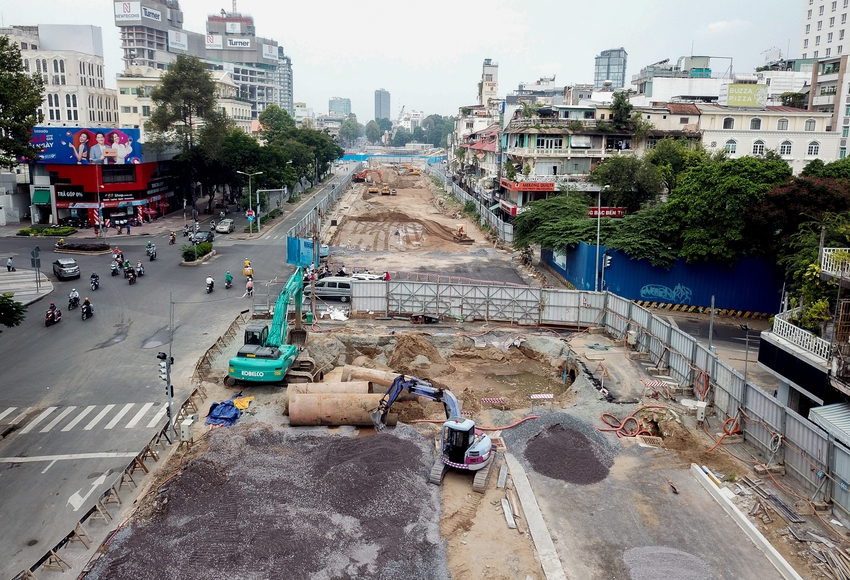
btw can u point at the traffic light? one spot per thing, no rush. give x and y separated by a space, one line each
606 262
163 371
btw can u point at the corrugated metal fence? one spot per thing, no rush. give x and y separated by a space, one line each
305 226
811 457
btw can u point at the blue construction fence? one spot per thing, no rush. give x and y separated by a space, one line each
752 285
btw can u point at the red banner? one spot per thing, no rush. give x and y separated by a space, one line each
613 212
528 185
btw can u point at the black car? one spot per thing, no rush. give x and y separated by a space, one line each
202 237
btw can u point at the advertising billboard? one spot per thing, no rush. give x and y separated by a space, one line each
214 42
233 27
85 146
152 14
128 11
741 95
178 40
270 51
238 43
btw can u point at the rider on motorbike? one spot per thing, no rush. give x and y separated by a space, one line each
152 249
172 238
74 295
148 245
140 269
210 281
87 307
52 308
249 287
212 225
95 278
228 278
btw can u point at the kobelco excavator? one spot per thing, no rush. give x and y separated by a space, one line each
461 447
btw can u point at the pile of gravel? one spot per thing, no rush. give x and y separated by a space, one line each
295 503
652 562
562 446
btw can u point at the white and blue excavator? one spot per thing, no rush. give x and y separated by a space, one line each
461 447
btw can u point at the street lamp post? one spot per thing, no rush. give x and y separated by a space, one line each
99 206
746 329
598 228
250 175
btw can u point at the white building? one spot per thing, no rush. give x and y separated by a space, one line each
488 92
70 60
411 119
797 135
825 26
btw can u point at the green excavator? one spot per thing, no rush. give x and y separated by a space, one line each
272 354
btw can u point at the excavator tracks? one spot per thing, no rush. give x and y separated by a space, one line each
479 483
438 470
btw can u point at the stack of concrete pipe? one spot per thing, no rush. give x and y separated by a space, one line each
343 403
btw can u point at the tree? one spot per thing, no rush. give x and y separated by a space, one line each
350 130
673 157
384 124
402 137
12 313
373 132
643 235
558 223
276 124
437 128
621 109
186 93
20 98
796 100
631 181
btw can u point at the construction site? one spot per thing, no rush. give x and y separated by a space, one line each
473 450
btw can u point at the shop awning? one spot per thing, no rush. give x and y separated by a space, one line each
41 196
493 208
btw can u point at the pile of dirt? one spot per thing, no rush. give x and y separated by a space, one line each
264 503
694 450
566 454
414 355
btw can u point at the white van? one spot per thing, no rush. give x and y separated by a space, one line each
331 287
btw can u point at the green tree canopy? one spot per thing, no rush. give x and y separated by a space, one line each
630 181
384 124
797 100
277 126
373 132
186 93
673 157
12 313
20 97
350 131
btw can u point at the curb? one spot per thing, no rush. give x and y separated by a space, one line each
199 261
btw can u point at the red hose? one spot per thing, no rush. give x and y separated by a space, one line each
726 431
620 427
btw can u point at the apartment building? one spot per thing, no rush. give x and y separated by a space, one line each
825 26
70 60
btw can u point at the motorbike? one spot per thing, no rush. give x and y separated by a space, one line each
116 269
228 284
149 250
342 272
95 284
73 302
131 276
135 222
59 245
171 239
153 254
87 311
210 286
128 269
140 270
52 316
248 271
186 230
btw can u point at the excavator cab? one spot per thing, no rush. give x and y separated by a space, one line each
256 334
458 435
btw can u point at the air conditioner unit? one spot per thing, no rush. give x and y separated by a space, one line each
632 337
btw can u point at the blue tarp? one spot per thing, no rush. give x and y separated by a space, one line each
224 413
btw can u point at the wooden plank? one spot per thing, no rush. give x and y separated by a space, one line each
503 476
509 516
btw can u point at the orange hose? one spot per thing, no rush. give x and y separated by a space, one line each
619 427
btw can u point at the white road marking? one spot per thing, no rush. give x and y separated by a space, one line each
100 416
73 457
158 417
6 412
55 421
37 420
118 417
138 416
49 465
78 418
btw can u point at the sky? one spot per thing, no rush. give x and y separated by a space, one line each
429 55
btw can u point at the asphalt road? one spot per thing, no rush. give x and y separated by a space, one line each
91 389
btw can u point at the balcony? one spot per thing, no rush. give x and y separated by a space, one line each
835 262
803 339
824 100
564 152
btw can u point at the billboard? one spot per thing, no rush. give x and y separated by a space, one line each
87 146
178 40
238 43
741 95
128 11
214 42
233 27
270 51
151 14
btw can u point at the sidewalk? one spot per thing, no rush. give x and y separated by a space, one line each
22 284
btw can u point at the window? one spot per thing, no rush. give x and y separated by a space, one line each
815 55
62 66
785 148
26 65
832 22
53 107
124 91
125 109
146 111
820 24
845 132
805 43
820 11
651 142
549 142
119 173
839 49
810 125
828 51
758 147
813 149
842 153
844 19
731 146
804 55
684 120
755 124
728 123
808 28
55 65
782 125
809 15
829 37
817 40
834 6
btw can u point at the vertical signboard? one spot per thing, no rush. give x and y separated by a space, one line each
214 42
128 12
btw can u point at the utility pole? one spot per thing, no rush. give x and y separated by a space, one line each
165 363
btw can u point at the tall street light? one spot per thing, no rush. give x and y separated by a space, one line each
250 175
746 329
598 228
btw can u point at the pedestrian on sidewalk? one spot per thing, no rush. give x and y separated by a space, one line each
128 228
9 264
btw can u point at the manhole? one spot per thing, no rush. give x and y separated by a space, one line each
651 441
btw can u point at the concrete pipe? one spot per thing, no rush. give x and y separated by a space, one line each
353 373
351 388
335 409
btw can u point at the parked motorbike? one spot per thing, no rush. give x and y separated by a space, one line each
135 223
73 303
140 270
52 317
88 311
116 269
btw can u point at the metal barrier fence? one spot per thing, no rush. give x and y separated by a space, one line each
321 206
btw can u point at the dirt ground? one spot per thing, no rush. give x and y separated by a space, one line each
454 532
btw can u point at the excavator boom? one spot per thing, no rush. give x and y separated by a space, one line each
418 387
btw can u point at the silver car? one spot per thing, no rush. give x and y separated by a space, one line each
65 268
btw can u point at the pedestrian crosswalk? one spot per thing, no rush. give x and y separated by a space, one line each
62 419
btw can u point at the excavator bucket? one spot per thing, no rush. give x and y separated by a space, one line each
377 417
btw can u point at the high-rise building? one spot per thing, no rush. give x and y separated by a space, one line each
382 104
489 90
69 58
339 106
284 81
824 25
610 66
152 36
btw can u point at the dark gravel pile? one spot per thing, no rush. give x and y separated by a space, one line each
562 446
567 455
290 504
652 562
